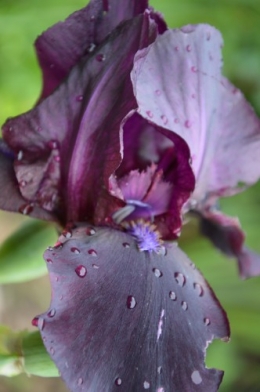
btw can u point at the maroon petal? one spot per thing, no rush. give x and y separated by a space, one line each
226 234
65 43
121 318
70 143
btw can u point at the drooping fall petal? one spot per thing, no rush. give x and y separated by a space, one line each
226 234
121 318
69 145
64 44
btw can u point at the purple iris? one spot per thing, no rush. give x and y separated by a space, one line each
135 127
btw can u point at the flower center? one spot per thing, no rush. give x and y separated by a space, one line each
147 236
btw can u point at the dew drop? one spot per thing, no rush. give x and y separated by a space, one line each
149 113
75 250
53 144
100 57
206 321
194 69
67 234
161 389
26 209
158 92
176 48
22 183
198 289
172 296
91 47
184 305
41 323
35 321
57 158
146 385
188 48
118 381
159 370
180 279
196 377
79 98
92 252
80 381
126 245
131 302
51 313
90 231
52 351
95 266
81 271
92 18
20 155
49 261
157 273
164 119
187 124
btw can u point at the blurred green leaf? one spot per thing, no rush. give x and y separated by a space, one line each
21 254
36 359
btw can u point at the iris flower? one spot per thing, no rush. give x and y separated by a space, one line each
134 128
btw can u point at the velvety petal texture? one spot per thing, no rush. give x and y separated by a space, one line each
121 319
69 145
226 234
178 82
64 44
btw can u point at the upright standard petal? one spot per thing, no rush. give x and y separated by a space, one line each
69 145
178 78
121 318
64 44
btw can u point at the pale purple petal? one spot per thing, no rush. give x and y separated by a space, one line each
121 319
178 85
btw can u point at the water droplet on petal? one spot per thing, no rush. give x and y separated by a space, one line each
194 69
180 279
75 250
95 266
157 273
187 124
57 158
161 389
146 385
26 209
53 144
184 305
20 155
206 321
196 377
91 47
41 323
164 119
90 231
118 381
176 48
158 92
92 18
131 302
49 261
188 48
126 245
159 370
92 252
81 271
52 351
149 113
198 289
35 321
172 296
80 381
100 57
22 183
51 313
79 98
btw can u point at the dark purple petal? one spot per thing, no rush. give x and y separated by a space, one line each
121 318
10 196
226 234
69 145
178 85
65 43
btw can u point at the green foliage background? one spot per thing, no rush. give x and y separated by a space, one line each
20 83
